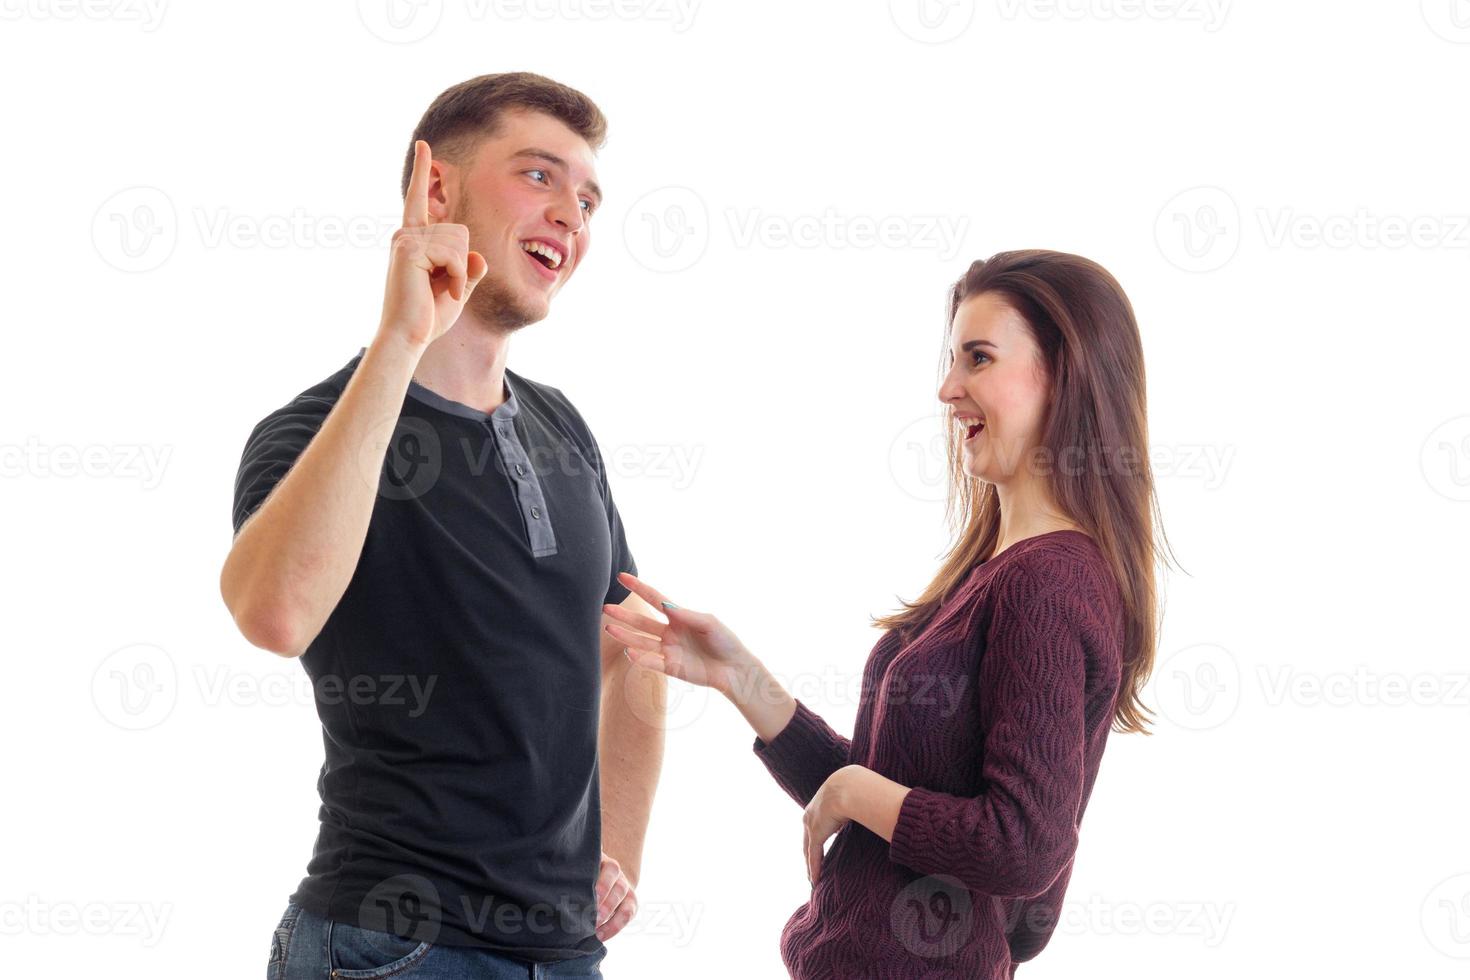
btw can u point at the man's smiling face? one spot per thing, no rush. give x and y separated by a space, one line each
526 196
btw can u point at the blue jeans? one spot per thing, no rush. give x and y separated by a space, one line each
307 946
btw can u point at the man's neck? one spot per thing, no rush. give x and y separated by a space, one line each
466 365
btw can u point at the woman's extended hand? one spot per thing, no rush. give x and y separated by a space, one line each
692 646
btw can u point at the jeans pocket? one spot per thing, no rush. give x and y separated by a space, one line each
358 954
281 942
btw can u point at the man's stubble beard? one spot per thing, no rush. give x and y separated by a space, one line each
493 301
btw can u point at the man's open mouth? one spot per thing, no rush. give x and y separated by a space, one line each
548 255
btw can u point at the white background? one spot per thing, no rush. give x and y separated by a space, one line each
1279 187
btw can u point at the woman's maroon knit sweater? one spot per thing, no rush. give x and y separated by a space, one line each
996 714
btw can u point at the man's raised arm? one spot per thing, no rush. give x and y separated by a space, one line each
292 559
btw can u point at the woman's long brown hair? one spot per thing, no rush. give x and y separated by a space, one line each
1095 437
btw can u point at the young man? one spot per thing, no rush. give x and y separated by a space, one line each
433 535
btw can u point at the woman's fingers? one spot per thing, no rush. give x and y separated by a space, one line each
637 621
806 850
645 591
634 639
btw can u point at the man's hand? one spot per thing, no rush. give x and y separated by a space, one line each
432 271
616 902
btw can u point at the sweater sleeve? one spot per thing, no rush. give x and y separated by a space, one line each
803 754
1016 837
1033 920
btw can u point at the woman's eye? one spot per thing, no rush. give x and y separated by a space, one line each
976 355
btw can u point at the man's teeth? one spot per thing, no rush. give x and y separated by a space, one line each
539 248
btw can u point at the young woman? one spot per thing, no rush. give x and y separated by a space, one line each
987 702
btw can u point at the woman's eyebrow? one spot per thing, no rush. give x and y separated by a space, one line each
556 161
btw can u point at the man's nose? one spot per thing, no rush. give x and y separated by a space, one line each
568 216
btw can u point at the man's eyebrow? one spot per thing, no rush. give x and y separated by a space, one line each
557 161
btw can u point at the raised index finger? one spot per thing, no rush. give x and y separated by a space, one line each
416 201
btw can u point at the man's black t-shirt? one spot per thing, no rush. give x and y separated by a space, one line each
458 678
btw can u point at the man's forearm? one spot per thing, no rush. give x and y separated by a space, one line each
294 557
630 749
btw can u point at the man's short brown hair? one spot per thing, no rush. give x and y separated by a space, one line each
465 114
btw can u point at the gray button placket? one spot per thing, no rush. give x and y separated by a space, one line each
515 462
523 476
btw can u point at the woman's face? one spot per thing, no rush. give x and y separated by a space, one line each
995 375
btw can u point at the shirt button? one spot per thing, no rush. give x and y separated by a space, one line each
520 470
536 512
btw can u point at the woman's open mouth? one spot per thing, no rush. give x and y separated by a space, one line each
973 430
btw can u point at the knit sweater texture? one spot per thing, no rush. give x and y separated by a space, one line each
996 714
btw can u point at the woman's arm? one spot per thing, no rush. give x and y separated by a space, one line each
761 699
873 800
1016 837
799 749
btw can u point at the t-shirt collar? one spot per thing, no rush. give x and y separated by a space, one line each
507 409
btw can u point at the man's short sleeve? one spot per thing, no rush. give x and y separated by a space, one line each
622 557
272 449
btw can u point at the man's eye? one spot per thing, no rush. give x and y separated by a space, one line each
588 206
541 172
